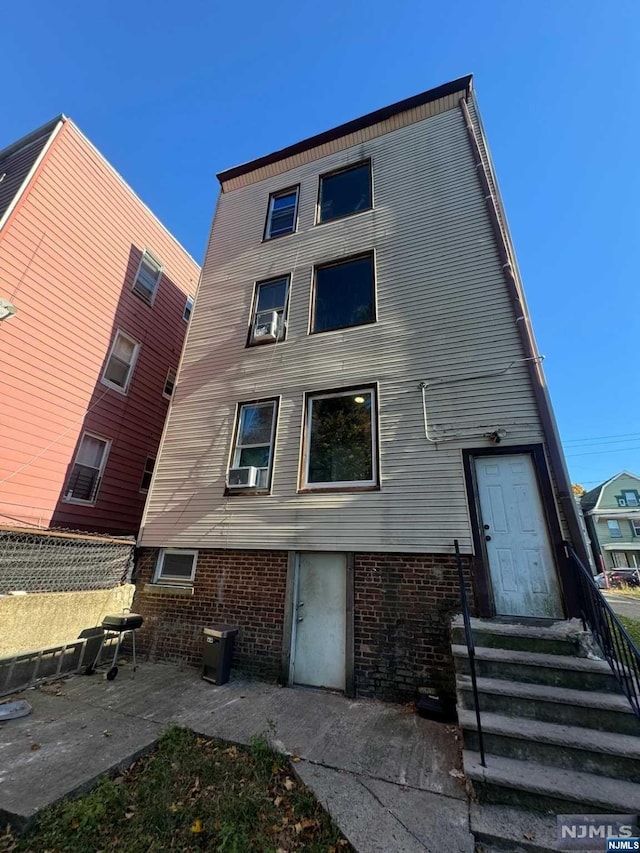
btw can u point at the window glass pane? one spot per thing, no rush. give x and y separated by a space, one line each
255 426
345 193
272 296
344 295
83 482
614 528
282 214
177 565
257 457
340 441
124 348
170 383
117 371
90 451
188 307
632 500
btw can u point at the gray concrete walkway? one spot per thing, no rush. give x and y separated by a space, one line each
390 779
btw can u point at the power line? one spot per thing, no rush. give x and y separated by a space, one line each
600 452
623 435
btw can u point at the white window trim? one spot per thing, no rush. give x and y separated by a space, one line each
184 311
144 471
175 376
103 465
136 349
345 484
174 581
282 334
272 198
135 278
629 503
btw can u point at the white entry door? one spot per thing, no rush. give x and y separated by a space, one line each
521 564
320 620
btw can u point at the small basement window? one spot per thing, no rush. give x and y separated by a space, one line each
345 192
282 213
344 294
147 278
268 323
147 474
169 384
119 368
176 566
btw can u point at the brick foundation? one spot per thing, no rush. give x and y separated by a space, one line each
403 605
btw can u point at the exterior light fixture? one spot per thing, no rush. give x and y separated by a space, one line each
358 399
7 310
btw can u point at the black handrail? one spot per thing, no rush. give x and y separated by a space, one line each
618 647
471 649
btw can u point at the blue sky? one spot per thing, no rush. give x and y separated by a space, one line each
171 93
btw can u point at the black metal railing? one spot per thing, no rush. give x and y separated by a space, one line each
468 634
614 640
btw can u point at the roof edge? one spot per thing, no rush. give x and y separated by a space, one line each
45 128
461 84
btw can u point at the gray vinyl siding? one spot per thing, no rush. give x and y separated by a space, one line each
443 312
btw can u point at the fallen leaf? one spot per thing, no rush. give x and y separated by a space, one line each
128 814
35 746
298 828
75 823
277 801
107 733
457 774
289 784
196 827
173 808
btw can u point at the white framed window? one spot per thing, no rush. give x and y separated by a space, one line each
282 213
88 467
253 444
176 566
169 384
269 315
120 363
635 526
614 529
631 498
188 308
147 473
340 442
145 284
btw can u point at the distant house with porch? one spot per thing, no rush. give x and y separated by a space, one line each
612 516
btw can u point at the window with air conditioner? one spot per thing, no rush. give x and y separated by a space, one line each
176 566
145 284
252 456
120 363
269 316
282 213
88 467
345 192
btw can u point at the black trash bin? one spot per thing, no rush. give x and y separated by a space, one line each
217 652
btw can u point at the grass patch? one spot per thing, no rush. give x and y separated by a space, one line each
626 591
191 794
633 628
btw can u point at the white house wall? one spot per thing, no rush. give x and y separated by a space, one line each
443 312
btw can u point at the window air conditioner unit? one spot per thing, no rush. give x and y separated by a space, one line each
242 478
265 327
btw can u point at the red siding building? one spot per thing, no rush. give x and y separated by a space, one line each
102 294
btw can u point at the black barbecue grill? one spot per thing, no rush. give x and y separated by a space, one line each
117 626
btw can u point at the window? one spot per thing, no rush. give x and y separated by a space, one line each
614 529
635 527
341 440
176 566
169 383
87 470
122 357
147 277
631 498
282 214
345 192
269 311
188 308
344 295
148 472
253 447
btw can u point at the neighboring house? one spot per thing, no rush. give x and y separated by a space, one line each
612 515
102 293
360 388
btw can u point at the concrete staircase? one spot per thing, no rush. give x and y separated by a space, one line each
559 735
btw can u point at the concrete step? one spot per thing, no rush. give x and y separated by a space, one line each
544 788
591 709
556 670
570 747
505 829
557 638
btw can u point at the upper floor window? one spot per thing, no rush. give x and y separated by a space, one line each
147 473
119 367
188 308
631 498
268 323
614 529
282 213
635 527
341 440
169 383
344 294
345 192
252 458
88 467
147 278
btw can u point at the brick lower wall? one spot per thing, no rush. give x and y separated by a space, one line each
402 610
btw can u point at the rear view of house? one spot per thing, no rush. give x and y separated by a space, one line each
360 389
97 295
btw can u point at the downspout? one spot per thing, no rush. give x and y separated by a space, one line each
523 323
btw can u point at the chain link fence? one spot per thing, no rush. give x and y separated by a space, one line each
39 560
